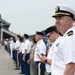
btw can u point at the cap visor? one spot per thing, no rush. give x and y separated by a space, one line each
58 15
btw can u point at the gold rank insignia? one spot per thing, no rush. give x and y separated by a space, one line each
70 33
57 9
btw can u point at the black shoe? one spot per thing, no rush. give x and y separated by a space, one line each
21 73
17 68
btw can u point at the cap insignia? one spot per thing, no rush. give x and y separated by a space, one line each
57 9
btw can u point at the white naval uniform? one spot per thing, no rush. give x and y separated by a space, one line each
26 66
11 47
40 49
17 44
64 53
50 54
27 45
22 47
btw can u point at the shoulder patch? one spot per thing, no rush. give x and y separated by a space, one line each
39 42
70 33
57 44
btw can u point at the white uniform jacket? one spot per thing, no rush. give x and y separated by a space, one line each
40 49
64 53
50 54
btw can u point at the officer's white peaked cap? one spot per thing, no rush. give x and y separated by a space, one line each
62 10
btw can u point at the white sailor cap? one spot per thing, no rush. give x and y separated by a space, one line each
62 10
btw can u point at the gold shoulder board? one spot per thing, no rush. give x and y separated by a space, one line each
70 33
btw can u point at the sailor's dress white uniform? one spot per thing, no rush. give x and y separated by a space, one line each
64 53
50 54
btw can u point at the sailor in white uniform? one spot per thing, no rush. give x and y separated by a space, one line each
40 50
63 61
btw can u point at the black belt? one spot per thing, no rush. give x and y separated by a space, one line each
38 62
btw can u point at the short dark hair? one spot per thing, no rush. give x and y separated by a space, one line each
18 36
39 33
26 36
21 39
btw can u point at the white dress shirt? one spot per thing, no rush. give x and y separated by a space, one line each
50 54
40 49
27 45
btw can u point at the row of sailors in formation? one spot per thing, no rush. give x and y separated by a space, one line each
26 52
61 55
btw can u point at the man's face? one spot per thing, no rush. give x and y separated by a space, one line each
24 38
16 38
38 37
51 37
62 23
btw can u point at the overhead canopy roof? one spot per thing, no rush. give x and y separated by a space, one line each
4 23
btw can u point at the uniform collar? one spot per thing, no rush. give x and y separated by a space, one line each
26 40
39 41
71 29
18 40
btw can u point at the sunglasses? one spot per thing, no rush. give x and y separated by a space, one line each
49 34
